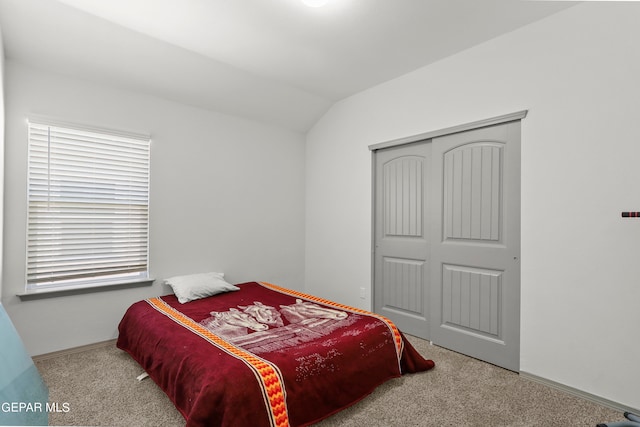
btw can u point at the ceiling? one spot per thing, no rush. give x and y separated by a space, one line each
273 61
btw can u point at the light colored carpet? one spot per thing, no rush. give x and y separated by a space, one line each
101 389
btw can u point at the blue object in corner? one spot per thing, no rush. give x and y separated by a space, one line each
23 393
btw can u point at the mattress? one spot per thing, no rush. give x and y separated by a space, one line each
264 355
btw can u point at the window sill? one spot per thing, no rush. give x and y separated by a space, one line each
83 289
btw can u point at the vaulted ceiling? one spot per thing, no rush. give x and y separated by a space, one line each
274 61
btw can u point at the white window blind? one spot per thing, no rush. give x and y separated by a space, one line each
88 213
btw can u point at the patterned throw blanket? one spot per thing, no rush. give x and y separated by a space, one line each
264 355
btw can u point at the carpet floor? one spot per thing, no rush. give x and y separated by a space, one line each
100 388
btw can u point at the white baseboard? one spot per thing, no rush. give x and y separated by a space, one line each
579 393
74 350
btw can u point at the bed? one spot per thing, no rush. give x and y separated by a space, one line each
263 355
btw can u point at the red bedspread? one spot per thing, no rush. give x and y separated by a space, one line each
264 355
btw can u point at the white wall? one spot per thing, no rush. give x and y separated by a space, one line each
227 194
577 74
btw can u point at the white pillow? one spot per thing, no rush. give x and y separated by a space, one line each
195 286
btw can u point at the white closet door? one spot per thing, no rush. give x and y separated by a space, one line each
402 241
475 280
447 241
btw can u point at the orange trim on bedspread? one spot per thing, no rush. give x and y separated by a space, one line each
268 375
394 330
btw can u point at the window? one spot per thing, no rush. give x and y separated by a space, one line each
88 207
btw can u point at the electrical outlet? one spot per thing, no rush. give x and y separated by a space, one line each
363 293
